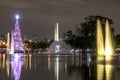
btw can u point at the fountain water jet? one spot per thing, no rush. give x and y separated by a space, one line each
104 49
100 41
56 32
108 40
58 46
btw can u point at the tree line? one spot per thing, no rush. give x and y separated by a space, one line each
85 34
83 37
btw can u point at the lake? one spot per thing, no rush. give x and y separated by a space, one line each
57 67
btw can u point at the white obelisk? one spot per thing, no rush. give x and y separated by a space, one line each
56 32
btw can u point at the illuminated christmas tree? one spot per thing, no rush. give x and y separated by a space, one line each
18 43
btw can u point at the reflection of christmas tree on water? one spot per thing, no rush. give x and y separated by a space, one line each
18 44
16 66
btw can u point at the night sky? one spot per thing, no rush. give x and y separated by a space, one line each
38 17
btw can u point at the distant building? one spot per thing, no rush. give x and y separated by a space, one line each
25 38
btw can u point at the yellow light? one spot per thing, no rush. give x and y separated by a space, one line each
4 43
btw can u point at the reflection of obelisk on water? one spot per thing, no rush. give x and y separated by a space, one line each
57 68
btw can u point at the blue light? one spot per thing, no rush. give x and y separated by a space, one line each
17 16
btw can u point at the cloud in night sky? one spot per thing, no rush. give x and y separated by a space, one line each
40 16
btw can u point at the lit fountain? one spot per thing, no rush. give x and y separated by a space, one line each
100 41
56 32
108 40
58 46
104 49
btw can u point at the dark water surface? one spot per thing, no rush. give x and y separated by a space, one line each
57 67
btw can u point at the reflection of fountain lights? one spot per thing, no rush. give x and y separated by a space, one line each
104 71
0 63
0 55
57 69
106 58
30 60
109 70
88 59
49 63
36 61
100 58
3 61
24 60
65 67
8 68
100 71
